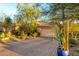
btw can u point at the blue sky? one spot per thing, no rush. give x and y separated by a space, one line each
8 8
11 8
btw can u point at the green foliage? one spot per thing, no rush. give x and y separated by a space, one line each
33 27
27 16
59 38
73 41
28 11
8 21
1 34
64 11
77 34
77 49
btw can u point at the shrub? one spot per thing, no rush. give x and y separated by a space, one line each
1 34
73 41
16 33
78 34
77 49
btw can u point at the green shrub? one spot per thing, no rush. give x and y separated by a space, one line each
78 34
77 49
1 34
16 33
73 41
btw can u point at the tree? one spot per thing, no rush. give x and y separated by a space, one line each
7 23
27 15
28 11
64 11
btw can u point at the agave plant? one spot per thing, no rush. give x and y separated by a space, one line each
59 38
59 35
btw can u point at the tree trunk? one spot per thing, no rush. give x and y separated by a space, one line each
63 14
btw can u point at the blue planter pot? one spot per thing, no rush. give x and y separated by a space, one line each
61 52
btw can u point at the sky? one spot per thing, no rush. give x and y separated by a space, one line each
8 8
45 8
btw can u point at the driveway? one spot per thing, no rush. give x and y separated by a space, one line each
44 45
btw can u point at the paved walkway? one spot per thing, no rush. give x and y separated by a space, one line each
41 46
37 47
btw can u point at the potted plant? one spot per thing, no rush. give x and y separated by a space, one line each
59 38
